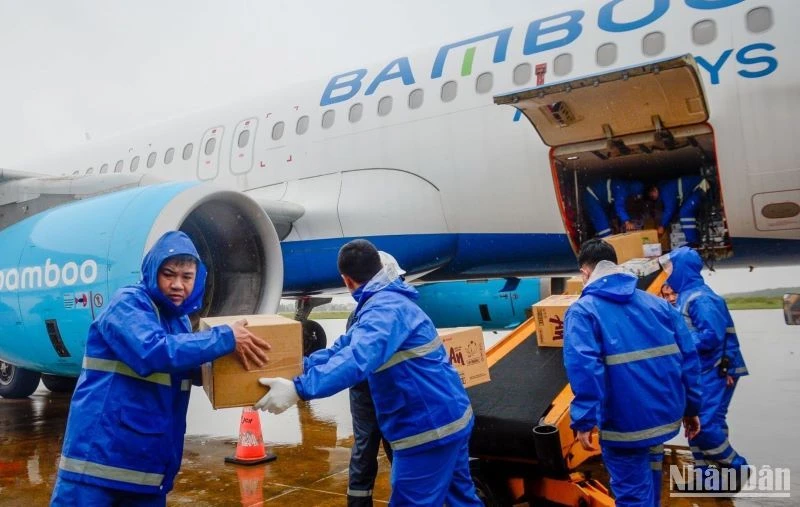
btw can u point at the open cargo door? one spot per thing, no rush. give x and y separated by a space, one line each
647 123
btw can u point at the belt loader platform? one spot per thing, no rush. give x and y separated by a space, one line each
522 447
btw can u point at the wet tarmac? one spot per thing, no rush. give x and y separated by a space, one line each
313 441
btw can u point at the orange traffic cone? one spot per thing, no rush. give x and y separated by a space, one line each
250 449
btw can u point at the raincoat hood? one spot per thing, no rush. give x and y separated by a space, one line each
686 267
383 280
169 245
609 281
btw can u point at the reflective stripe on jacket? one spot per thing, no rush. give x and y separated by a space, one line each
419 399
630 362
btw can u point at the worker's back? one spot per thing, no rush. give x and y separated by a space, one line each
637 348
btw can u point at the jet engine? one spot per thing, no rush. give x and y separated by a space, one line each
60 267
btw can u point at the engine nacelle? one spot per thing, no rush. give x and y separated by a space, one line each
59 268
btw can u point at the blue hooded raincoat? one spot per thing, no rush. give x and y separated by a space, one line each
420 401
127 418
630 362
714 335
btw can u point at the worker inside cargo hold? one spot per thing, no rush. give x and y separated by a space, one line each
420 402
605 196
681 196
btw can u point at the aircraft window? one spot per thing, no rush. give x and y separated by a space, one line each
449 91
277 131
385 106
118 166
187 151
356 110
522 74
103 168
562 65
653 44
759 19
484 82
90 170
328 117
134 163
302 125
606 54
151 159
704 32
415 98
210 145
244 138
168 155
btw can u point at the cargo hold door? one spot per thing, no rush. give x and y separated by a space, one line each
647 123
665 94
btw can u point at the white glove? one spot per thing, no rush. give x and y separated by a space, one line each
281 395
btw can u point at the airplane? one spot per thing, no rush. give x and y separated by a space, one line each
465 161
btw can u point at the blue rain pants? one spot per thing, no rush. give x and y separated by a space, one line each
434 476
712 444
656 467
367 439
67 493
688 216
631 475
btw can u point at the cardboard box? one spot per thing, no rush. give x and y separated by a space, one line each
549 315
574 285
641 267
464 346
629 245
651 249
225 380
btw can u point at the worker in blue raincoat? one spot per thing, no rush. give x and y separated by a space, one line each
721 361
420 402
367 436
607 194
682 195
634 371
124 438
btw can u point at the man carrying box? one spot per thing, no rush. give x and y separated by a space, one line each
634 370
420 402
127 418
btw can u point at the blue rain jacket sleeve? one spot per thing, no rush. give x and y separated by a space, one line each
585 369
691 366
323 355
668 193
620 194
709 323
365 347
132 330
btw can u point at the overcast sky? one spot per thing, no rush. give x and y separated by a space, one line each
107 66
100 66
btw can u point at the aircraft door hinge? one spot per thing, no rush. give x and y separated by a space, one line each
662 134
